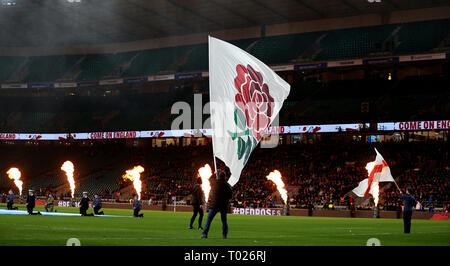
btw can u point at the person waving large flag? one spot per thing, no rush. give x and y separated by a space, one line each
245 97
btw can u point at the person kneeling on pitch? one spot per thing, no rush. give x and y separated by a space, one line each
197 200
408 202
137 207
97 202
31 203
49 204
220 197
84 205
10 201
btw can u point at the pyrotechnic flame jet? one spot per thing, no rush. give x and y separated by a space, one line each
135 176
374 188
14 174
275 177
205 173
69 169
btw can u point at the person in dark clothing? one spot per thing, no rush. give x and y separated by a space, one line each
49 205
137 207
408 202
97 202
84 205
10 201
31 203
197 201
220 197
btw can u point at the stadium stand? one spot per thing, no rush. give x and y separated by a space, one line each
317 173
310 101
421 36
8 65
49 68
392 39
353 43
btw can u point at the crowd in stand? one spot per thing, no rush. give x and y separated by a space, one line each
319 174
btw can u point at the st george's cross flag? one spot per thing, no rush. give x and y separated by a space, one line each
245 97
379 172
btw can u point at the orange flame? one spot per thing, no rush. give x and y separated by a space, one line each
205 173
135 176
69 169
275 177
14 174
375 191
374 188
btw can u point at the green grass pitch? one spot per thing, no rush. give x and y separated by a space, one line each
170 229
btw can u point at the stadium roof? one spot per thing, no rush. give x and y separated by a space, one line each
26 23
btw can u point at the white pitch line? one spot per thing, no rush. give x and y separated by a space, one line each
14 212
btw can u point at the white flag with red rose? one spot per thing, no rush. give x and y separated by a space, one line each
378 171
245 97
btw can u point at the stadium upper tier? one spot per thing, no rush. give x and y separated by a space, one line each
390 39
310 102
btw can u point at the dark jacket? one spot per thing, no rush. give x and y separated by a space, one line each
97 202
11 198
31 200
84 203
220 194
408 201
136 204
197 195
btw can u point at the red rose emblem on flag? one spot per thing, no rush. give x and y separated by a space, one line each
253 99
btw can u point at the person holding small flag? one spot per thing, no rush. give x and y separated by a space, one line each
408 202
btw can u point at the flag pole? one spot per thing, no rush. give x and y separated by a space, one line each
397 186
215 164
212 134
214 156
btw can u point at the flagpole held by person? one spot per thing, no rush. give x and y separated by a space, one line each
397 186
246 96
408 202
